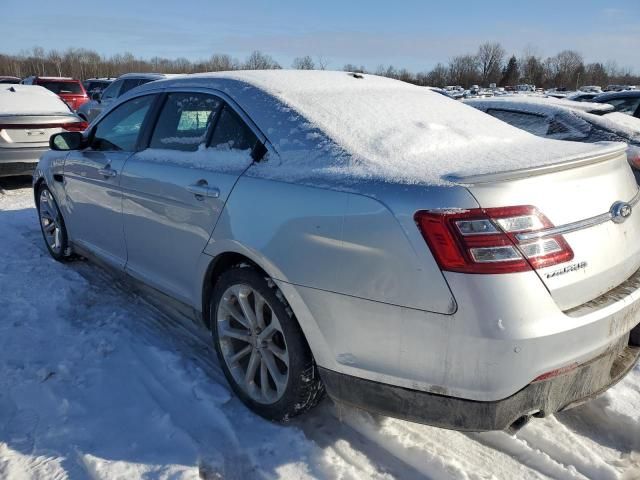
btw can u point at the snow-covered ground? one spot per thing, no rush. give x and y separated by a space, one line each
97 383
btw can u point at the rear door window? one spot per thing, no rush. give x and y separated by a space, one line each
185 121
530 122
132 83
232 133
113 90
120 128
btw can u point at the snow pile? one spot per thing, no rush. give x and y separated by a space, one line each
332 124
96 383
30 100
223 160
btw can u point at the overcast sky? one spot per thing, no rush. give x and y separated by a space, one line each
411 34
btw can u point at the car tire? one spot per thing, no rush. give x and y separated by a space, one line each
52 226
243 288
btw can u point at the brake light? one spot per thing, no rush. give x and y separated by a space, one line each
485 240
75 126
69 126
633 155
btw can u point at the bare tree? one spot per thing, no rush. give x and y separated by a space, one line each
55 58
490 59
349 67
463 70
438 77
303 63
260 61
565 69
221 62
322 62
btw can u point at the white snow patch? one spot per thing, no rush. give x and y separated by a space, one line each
96 383
378 128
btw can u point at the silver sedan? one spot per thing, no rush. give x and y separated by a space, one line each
357 235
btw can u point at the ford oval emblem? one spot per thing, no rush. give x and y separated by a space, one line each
620 211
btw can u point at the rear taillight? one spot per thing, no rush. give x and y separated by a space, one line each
69 126
75 126
485 240
633 155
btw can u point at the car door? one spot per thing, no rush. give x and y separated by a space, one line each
92 180
175 190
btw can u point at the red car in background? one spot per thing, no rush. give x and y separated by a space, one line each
69 89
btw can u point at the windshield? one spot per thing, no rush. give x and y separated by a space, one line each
62 87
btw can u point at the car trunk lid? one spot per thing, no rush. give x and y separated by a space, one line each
590 201
28 131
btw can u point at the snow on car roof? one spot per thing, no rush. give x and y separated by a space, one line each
363 126
30 100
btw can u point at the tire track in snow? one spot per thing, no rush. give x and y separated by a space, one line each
176 367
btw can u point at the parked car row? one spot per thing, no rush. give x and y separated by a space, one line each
567 120
404 252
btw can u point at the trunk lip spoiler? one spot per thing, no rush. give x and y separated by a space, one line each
578 225
608 151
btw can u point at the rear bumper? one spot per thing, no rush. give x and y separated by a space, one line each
536 399
19 161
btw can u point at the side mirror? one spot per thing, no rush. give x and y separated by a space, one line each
96 96
66 141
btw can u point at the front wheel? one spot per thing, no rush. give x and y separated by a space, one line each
52 225
261 347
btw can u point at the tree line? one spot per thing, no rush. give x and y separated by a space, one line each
489 64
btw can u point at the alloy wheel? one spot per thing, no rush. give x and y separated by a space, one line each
50 221
252 344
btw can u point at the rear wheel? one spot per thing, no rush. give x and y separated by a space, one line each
261 348
52 225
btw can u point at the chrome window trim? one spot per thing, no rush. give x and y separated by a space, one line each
574 226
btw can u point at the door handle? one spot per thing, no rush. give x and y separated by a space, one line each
107 172
203 190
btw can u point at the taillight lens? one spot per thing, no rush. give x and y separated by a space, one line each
633 155
485 240
69 126
75 126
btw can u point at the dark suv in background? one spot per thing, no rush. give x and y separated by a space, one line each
95 86
68 89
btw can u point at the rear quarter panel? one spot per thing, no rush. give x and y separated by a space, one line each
330 240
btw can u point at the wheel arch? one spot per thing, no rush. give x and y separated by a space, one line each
311 330
36 187
217 266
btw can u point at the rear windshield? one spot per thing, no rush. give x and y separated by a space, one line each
62 87
96 85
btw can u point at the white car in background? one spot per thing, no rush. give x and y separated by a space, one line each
29 115
562 119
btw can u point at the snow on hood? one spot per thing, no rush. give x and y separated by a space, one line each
335 124
30 100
